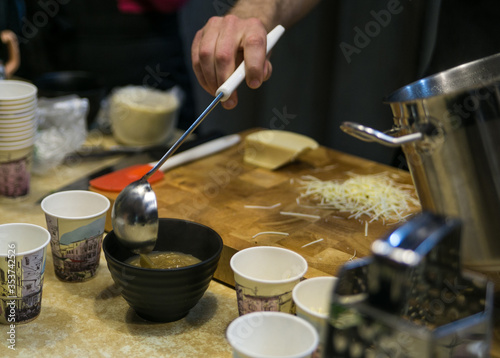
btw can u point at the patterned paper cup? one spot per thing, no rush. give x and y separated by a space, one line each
23 251
75 220
15 170
265 277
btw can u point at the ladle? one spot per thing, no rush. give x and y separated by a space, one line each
135 212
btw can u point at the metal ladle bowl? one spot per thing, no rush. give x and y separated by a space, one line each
135 212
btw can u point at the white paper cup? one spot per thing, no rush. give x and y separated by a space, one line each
9 105
30 125
17 144
271 334
23 252
312 299
265 277
12 91
9 137
13 126
10 155
20 111
17 116
23 108
15 131
75 220
19 102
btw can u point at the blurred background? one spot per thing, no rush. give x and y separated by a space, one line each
315 85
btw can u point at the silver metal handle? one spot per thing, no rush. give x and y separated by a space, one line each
368 134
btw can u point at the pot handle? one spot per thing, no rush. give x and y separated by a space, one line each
368 134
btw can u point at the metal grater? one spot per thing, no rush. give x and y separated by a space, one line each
411 298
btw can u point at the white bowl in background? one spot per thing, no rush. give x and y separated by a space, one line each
141 116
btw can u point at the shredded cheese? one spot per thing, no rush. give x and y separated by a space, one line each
300 215
312 242
353 256
378 196
270 233
262 206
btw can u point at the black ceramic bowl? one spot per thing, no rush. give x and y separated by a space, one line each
166 295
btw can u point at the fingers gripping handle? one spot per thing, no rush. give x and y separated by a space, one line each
238 76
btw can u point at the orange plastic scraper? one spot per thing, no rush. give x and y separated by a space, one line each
118 180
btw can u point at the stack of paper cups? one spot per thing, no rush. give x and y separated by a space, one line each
18 124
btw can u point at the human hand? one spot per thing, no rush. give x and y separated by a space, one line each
220 46
9 38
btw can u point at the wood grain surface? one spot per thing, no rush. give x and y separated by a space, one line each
215 190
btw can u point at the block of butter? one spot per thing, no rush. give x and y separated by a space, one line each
272 149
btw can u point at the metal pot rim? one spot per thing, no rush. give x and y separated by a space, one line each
460 79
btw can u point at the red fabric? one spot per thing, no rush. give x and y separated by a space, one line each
141 6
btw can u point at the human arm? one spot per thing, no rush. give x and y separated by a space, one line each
13 62
225 41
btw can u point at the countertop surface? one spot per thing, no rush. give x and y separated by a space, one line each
92 319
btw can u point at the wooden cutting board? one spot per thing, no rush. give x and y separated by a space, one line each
215 190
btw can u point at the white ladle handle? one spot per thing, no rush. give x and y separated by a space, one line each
224 91
200 151
238 76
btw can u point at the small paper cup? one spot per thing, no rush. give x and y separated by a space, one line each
18 126
312 299
18 109
23 252
29 127
17 116
271 334
17 144
265 277
75 220
15 171
18 106
12 91
9 137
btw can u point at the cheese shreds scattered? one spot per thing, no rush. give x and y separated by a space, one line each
366 228
312 243
300 215
353 256
378 196
262 206
270 233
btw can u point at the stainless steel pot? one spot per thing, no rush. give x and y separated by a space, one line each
448 125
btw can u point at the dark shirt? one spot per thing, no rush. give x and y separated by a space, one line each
9 20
